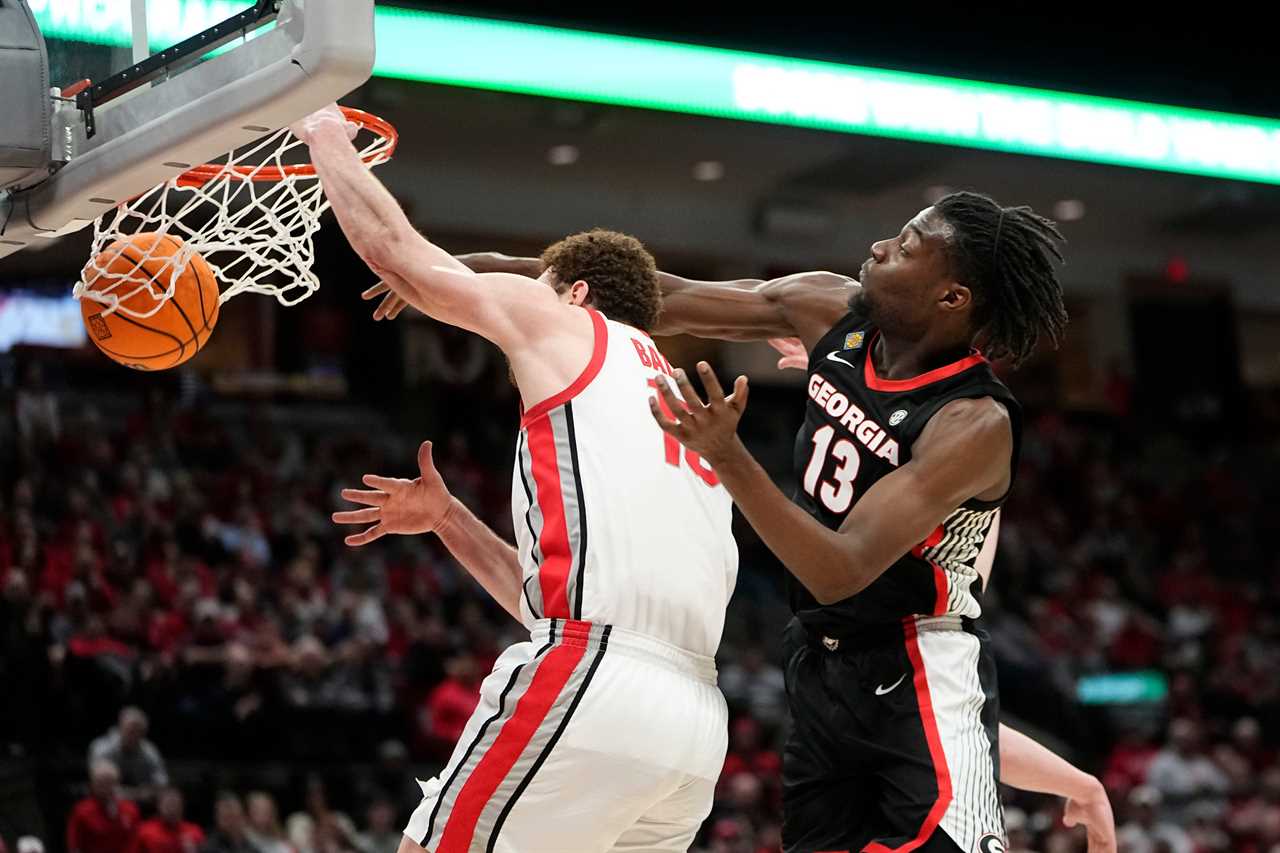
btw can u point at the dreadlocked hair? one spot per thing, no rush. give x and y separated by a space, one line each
1009 257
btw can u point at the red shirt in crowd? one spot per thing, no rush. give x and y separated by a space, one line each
764 763
95 827
450 706
1127 765
156 836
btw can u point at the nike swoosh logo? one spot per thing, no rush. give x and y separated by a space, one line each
881 690
833 357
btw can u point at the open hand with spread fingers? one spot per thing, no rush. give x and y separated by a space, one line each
395 505
710 428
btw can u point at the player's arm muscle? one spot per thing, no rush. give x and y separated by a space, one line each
805 305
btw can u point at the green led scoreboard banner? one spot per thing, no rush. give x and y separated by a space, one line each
503 56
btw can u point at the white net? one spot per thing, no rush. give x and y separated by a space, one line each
251 218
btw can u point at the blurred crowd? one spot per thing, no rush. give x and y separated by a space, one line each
205 666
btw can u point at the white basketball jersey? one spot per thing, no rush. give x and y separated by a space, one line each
615 521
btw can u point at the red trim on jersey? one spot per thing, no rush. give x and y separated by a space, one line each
934 740
930 541
939 576
538 700
601 345
553 539
575 632
940 589
935 375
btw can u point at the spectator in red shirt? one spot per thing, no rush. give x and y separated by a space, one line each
746 754
1128 763
171 628
168 832
102 822
449 705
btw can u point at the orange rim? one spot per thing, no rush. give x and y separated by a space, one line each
368 121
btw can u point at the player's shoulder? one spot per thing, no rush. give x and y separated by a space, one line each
981 416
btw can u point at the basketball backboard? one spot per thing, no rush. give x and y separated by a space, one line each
201 78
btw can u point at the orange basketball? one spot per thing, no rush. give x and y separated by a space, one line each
172 334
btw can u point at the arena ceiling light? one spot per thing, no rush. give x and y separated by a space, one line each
535 60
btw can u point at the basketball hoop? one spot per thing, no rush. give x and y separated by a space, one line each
252 218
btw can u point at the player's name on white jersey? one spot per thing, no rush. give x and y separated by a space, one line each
650 357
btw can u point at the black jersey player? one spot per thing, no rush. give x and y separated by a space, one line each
908 450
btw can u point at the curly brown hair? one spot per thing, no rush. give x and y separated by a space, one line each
619 269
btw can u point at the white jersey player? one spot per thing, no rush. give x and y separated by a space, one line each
606 729
595 487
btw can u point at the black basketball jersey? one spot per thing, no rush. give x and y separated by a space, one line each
859 428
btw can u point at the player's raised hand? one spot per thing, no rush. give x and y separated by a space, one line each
305 127
390 306
792 351
709 428
395 505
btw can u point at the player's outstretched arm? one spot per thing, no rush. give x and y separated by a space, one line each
425 505
804 305
507 309
1027 765
963 452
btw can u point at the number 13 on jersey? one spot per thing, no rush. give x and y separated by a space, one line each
836 494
